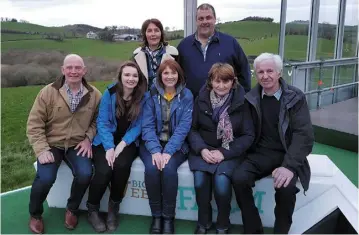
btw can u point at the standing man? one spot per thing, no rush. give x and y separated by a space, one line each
61 126
284 138
198 52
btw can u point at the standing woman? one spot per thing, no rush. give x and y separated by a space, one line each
167 118
114 148
154 50
222 130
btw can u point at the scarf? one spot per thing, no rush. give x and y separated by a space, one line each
220 115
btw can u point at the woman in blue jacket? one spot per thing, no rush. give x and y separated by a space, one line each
167 118
114 148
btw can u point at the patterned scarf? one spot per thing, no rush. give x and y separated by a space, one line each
220 115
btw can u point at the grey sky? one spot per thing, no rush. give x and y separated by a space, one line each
132 13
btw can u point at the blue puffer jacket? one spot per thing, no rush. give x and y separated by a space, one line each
107 123
180 120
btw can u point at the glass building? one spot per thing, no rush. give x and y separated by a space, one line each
317 40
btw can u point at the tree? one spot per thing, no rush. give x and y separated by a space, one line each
106 34
14 20
167 29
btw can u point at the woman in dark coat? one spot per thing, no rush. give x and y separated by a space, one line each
222 130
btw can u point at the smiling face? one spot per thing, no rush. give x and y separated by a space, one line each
129 77
153 35
73 69
205 21
169 78
221 87
268 76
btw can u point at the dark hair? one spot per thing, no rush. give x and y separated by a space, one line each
222 71
206 6
173 65
144 29
136 96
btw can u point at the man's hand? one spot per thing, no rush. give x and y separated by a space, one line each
110 157
282 177
85 148
119 148
157 160
218 156
165 159
46 157
208 156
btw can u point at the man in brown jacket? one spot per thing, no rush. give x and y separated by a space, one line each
61 126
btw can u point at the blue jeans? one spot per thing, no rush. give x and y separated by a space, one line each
81 168
162 185
222 195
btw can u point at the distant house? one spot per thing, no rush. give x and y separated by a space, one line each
91 35
125 37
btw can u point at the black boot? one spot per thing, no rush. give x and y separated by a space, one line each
156 225
94 218
168 225
200 230
112 220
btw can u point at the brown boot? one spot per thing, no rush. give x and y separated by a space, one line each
112 221
96 221
36 225
70 220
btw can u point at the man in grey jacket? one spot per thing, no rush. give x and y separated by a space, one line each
284 138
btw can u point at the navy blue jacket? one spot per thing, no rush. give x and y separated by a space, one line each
107 122
180 121
203 134
223 48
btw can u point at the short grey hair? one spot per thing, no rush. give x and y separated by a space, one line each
269 56
206 6
70 56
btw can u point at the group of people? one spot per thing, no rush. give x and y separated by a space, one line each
168 105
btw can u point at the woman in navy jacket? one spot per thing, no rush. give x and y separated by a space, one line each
167 118
114 148
222 130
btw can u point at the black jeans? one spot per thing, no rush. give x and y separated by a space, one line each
162 185
203 182
81 168
104 175
256 166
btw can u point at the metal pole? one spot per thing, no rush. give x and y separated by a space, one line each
190 9
283 15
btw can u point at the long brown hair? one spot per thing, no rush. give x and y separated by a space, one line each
144 29
136 96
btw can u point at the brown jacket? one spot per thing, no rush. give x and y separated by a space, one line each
51 122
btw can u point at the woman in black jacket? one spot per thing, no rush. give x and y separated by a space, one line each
222 130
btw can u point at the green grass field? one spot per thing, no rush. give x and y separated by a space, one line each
28 27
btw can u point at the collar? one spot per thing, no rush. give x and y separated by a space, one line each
277 94
213 38
68 88
59 82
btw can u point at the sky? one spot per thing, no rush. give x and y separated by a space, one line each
132 13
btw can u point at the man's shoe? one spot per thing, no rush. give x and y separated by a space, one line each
200 230
36 225
168 225
156 225
112 219
97 223
70 220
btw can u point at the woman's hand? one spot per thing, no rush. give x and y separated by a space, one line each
218 156
157 160
208 156
165 159
119 148
110 157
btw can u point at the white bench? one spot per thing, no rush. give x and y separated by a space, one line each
322 198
